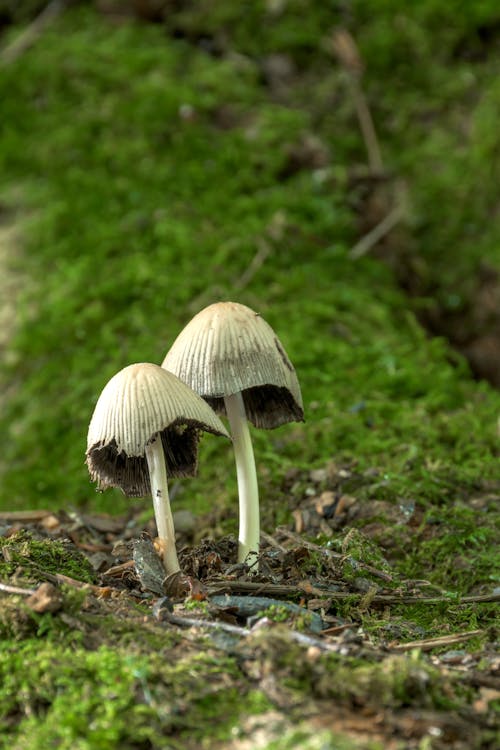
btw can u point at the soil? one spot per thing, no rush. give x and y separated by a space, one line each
308 602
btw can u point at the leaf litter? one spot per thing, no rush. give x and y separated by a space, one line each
320 630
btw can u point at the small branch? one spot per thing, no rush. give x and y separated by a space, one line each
304 640
30 35
16 590
367 126
481 680
263 250
430 643
374 236
191 622
337 629
345 49
271 541
61 578
24 516
276 589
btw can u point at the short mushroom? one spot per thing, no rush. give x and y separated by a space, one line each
145 426
229 355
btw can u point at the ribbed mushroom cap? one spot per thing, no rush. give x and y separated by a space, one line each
139 402
227 348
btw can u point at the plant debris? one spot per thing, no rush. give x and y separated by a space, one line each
305 607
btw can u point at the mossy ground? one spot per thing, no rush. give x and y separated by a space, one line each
22 552
146 169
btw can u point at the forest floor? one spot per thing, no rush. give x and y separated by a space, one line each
153 168
326 646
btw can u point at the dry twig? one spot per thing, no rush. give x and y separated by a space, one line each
304 640
24 516
15 589
263 250
29 36
428 643
276 589
369 240
74 583
346 51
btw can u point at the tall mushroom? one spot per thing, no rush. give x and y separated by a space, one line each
229 355
145 426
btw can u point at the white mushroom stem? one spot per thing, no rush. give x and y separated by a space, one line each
161 504
248 491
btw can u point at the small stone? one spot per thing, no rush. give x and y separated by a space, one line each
453 657
50 522
318 475
313 653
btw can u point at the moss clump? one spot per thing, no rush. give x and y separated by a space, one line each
396 682
73 698
18 621
22 552
358 548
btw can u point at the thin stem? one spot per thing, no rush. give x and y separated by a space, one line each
367 126
161 504
248 491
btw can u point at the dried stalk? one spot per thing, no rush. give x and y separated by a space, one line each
29 36
429 643
369 240
346 51
220 587
16 590
24 516
304 640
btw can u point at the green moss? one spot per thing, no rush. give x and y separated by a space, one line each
126 210
75 697
131 628
98 698
357 548
150 172
460 553
298 620
83 699
275 613
196 605
36 556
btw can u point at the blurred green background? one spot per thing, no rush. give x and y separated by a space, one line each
152 168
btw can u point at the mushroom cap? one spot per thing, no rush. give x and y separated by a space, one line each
227 348
138 403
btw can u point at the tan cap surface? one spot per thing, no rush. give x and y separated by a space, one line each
227 348
139 402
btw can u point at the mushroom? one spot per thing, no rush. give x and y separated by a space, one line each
145 426
229 355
